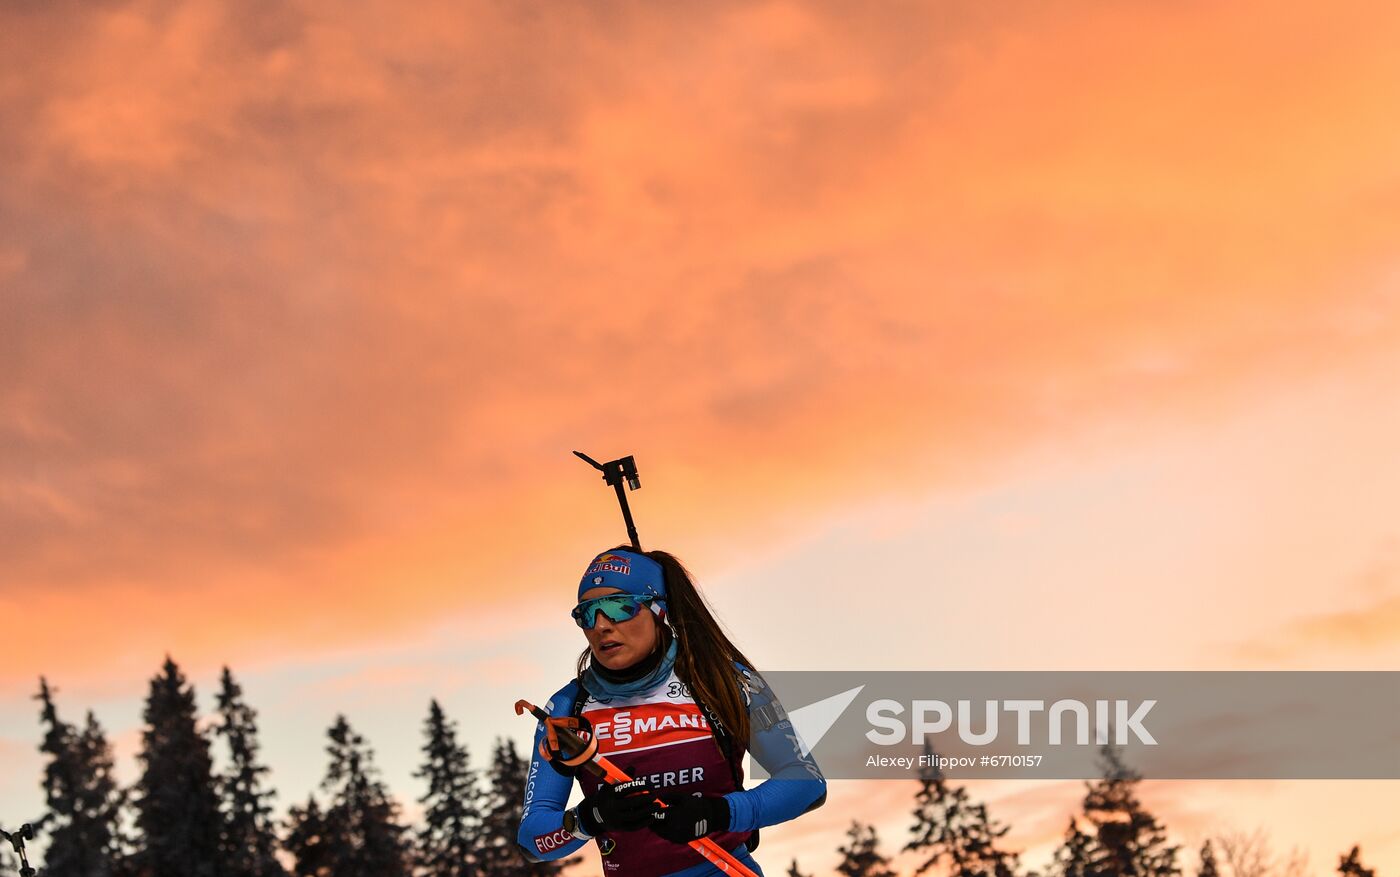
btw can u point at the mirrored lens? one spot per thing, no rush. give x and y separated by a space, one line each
617 607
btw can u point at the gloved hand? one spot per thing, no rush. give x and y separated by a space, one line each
690 817
617 807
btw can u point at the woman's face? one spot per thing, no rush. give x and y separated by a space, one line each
620 644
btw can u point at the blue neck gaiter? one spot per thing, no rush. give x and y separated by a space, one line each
596 679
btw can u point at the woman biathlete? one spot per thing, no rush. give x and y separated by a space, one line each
674 704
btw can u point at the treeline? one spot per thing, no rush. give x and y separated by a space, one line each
1114 836
184 818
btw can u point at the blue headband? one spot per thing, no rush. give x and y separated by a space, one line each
627 571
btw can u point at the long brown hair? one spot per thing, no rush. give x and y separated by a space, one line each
705 656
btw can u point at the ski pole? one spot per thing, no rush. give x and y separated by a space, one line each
713 852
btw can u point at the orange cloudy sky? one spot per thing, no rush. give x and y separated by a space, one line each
1072 331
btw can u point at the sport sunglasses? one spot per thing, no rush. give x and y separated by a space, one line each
618 607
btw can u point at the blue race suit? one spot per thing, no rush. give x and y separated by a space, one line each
663 734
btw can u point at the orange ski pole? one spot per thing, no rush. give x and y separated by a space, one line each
585 753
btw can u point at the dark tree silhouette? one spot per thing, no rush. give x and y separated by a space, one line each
1129 841
1077 856
1208 867
103 803
949 828
364 837
861 857
1350 865
447 841
794 872
81 794
499 854
177 807
308 841
249 840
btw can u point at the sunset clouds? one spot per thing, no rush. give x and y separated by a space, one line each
303 307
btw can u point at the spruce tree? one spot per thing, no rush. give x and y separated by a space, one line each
102 801
499 855
861 856
1350 865
177 805
62 777
308 841
1129 840
447 842
949 827
1077 856
248 839
1208 867
793 871
364 837
81 793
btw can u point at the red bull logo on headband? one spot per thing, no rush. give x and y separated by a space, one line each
609 562
626 571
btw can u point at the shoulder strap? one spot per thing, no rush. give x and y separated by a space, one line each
726 748
580 698
721 735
